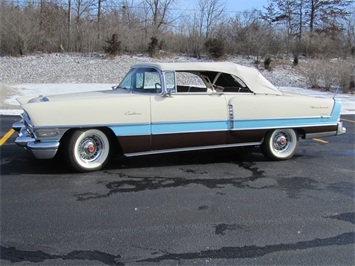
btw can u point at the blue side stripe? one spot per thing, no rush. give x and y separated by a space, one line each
162 128
286 122
131 130
184 127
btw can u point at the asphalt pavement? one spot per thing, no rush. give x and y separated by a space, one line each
222 207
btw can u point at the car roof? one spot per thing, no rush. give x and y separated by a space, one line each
255 81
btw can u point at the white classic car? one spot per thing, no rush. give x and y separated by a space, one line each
171 107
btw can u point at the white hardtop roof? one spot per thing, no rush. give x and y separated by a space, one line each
255 81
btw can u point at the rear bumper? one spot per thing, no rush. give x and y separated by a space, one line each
41 150
337 129
341 130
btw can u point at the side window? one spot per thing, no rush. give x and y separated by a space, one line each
190 82
152 80
148 80
230 83
142 80
127 82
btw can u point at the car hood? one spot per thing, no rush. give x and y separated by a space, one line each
97 108
71 96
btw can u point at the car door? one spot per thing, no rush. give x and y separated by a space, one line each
188 121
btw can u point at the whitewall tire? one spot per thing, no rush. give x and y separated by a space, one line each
88 150
280 144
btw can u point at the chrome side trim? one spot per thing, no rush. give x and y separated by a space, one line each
193 149
231 116
288 118
235 120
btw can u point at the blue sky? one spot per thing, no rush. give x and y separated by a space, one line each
231 5
242 5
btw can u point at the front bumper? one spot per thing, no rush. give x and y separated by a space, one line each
41 150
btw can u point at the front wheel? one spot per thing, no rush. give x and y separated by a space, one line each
280 144
88 150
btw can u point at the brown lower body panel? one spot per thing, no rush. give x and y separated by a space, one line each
147 143
133 144
320 129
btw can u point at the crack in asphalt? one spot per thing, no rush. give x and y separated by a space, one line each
346 217
292 186
137 184
14 255
256 251
256 173
222 228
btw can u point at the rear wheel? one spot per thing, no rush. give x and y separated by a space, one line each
280 144
88 150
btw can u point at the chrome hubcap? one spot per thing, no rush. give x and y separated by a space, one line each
281 142
90 148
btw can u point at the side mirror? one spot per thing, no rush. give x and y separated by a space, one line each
167 94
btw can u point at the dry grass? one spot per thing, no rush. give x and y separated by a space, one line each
329 74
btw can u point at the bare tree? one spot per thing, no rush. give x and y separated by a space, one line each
350 34
288 15
98 18
69 23
314 27
209 14
158 14
326 15
251 37
19 30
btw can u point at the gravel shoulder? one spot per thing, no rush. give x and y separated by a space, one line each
78 68
38 73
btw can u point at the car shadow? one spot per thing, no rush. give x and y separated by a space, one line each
245 154
24 163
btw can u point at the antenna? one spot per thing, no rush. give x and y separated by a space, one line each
336 92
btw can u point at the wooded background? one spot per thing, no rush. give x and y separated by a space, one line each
312 28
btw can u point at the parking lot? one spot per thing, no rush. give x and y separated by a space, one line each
221 207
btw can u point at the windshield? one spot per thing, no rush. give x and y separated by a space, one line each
146 80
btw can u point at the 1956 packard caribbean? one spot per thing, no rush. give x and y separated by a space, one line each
170 107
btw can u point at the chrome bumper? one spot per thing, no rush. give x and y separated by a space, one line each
341 129
41 150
